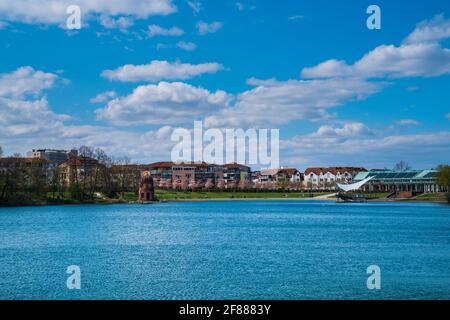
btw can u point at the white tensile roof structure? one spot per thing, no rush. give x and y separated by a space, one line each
354 186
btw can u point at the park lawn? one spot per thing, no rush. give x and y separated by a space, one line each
178 195
431 197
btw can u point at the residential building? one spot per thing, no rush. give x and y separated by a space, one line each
282 175
161 170
234 173
75 168
326 178
56 156
195 174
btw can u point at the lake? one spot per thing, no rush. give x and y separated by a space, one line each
226 250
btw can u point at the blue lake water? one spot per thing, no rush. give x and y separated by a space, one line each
226 250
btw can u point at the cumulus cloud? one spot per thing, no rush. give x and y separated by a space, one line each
413 60
368 151
274 102
121 23
27 121
25 81
160 70
54 11
408 122
296 17
419 56
188 46
432 30
353 129
155 30
204 28
164 103
103 97
196 6
24 109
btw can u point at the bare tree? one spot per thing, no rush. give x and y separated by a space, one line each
55 181
402 166
85 153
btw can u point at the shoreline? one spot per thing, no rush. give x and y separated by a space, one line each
314 199
299 199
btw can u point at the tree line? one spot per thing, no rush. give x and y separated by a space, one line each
89 173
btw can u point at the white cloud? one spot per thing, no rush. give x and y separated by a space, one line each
155 30
161 46
413 60
275 102
45 132
188 46
430 31
412 88
408 122
160 70
27 122
26 118
296 17
54 11
164 103
240 6
103 97
371 152
352 129
205 28
121 23
196 6
25 81
419 56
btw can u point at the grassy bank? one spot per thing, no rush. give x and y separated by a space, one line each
434 197
27 199
177 195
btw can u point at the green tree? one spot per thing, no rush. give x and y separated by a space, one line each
443 178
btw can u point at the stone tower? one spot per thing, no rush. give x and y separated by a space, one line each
146 188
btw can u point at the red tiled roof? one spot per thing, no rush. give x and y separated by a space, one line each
288 171
234 166
162 164
333 170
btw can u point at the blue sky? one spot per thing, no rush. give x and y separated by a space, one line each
293 65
